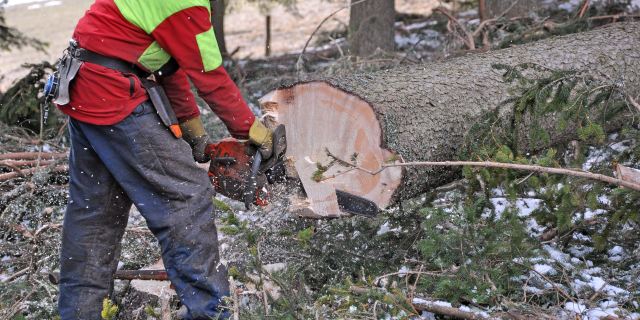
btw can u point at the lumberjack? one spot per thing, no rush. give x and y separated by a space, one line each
125 147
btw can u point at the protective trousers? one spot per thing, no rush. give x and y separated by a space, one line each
137 161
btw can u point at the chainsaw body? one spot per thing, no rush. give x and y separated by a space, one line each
238 172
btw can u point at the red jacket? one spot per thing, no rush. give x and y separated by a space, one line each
149 33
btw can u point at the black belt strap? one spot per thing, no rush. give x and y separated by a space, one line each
108 62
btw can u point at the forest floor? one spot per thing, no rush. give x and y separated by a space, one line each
440 249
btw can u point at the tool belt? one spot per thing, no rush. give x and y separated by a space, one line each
58 84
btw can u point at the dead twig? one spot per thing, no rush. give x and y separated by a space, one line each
485 22
236 300
633 102
583 9
553 284
406 56
18 305
265 301
16 275
466 37
422 305
25 172
412 292
33 156
165 305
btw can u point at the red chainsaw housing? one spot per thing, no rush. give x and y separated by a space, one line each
230 167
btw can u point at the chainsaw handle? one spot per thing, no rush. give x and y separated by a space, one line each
251 184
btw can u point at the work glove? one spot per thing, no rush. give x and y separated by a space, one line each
193 133
261 137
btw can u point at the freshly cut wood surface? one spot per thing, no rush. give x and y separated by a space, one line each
423 112
322 121
628 174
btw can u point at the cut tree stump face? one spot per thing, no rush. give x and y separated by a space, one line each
323 124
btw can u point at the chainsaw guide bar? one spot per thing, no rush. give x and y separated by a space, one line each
353 204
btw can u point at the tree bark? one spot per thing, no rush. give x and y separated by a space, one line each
218 8
422 112
371 27
511 8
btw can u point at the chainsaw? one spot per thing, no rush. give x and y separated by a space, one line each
238 172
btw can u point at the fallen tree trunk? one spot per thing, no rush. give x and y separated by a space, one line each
420 113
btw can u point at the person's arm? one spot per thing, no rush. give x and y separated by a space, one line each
189 38
178 90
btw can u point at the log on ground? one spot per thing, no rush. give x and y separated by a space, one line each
419 113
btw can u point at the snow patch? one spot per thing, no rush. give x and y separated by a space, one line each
575 307
590 214
620 146
616 254
524 206
386 228
558 256
544 269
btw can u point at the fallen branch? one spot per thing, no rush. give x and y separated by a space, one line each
500 165
23 140
423 305
25 172
19 273
33 156
429 306
525 167
24 163
615 17
16 275
408 272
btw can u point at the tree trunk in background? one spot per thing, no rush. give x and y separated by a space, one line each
218 8
422 112
519 8
371 26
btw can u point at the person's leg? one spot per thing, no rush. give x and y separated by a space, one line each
159 175
93 226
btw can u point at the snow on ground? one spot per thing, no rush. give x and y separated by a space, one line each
46 4
386 228
606 278
11 3
418 36
427 315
